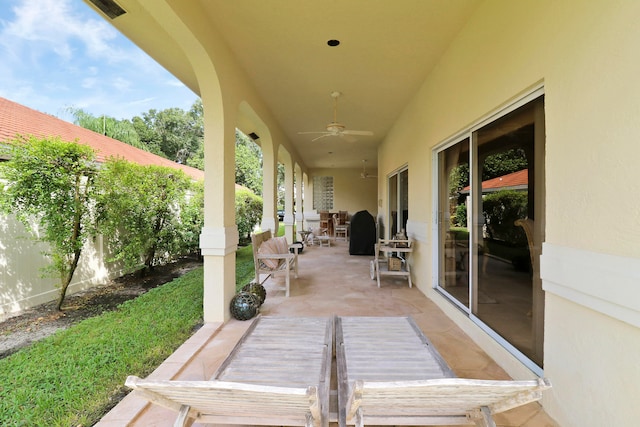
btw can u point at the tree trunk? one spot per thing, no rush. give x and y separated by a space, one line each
67 280
151 253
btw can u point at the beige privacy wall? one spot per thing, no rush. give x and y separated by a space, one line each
21 260
585 56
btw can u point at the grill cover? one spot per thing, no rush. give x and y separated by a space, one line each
362 234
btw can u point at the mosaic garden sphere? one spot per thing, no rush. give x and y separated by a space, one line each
244 306
258 290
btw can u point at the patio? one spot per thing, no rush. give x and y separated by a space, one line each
331 283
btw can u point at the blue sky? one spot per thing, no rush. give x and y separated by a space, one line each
57 54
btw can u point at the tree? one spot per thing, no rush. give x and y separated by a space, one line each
197 160
196 114
138 210
172 133
494 165
52 182
504 163
281 189
248 163
122 130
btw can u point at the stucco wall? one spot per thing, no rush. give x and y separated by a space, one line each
600 366
21 260
587 59
350 192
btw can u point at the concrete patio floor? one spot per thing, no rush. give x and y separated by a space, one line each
330 283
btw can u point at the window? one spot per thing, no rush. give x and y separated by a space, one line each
323 193
398 201
490 225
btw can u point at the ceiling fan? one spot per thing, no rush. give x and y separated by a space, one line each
364 173
338 129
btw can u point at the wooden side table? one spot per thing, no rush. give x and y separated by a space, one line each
387 247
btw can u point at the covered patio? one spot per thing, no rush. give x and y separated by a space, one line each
345 289
431 94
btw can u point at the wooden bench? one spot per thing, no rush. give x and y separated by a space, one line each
274 256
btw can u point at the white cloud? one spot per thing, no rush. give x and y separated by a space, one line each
60 52
57 27
121 83
140 101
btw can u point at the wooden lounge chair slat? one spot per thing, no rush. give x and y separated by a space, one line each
389 373
288 384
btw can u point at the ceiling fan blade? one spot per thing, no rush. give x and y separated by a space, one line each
322 136
358 132
307 133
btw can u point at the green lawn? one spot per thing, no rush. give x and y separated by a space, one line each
244 266
73 377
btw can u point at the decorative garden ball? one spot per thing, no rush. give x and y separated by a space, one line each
258 290
244 306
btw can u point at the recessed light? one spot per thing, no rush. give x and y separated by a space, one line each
333 42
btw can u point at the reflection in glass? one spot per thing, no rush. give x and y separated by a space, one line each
491 226
393 205
398 202
453 231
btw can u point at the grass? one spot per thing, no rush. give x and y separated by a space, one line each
73 377
245 271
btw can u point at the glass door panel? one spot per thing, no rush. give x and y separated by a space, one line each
403 200
453 231
393 206
504 296
398 202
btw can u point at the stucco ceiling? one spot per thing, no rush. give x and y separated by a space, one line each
386 50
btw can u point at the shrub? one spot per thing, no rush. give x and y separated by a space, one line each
139 211
192 219
460 219
248 213
501 209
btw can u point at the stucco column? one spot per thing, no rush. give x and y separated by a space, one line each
269 186
288 201
299 207
219 238
308 198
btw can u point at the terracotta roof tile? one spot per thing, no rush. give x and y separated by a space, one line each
512 180
16 119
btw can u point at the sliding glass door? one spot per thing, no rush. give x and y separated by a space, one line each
491 225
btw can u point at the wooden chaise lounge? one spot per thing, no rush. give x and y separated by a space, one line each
389 373
278 374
